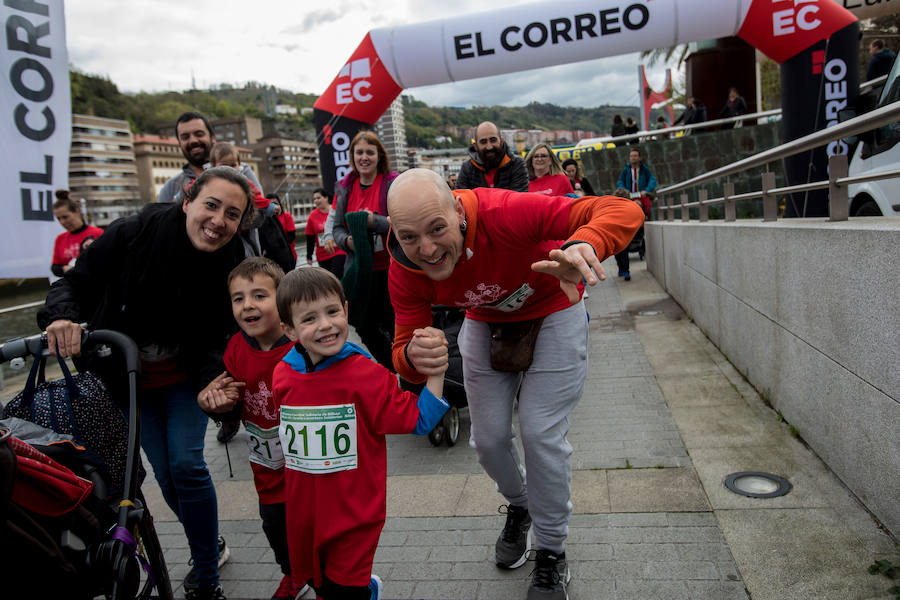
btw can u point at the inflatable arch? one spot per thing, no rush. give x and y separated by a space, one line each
544 34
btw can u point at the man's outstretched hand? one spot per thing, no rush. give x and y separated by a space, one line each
570 266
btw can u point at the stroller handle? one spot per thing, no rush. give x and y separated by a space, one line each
37 344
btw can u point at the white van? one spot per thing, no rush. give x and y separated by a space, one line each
878 150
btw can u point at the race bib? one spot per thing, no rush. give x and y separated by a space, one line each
319 439
265 447
515 300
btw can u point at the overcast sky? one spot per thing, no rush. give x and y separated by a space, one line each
300 46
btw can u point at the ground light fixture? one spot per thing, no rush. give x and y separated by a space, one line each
755 484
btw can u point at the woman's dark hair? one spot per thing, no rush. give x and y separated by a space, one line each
228 174
64 201
321 192
572 161
617 119
305 285
384 164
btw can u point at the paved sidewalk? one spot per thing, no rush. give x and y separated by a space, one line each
663 420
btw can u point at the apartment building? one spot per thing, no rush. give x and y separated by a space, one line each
290 168
391 130
102 169
159 158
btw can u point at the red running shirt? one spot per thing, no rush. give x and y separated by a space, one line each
551 185
315 225
68 245
255 368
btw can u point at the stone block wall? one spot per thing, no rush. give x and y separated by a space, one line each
677 159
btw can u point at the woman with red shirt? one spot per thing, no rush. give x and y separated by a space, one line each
77 234
315 237
365 189
545 175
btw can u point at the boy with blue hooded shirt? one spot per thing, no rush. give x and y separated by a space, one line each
336 406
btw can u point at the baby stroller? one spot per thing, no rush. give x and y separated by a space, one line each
449 320
82 545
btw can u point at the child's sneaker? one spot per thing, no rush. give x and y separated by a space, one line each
375 587
288 590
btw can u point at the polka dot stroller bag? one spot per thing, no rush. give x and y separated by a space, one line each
78 405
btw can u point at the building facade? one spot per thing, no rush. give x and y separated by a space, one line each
102 169
159 158
391 130
444 162
289 168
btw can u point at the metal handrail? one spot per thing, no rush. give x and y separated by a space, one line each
21 307
670 130
871 120
872 82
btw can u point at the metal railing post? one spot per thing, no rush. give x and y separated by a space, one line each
670 213
702 195
728 192
770 201
685 213
838 199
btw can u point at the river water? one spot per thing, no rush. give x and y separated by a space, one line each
19 322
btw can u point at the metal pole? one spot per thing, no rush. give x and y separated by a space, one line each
702 195
770 201
685 211
670 214
728 192
838 200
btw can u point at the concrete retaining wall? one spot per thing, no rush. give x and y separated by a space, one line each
809 312
677 159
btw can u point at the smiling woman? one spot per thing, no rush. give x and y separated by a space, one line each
160 276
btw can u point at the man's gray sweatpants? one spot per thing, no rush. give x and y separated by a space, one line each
550 389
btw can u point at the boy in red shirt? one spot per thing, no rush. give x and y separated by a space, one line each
336 405
245 389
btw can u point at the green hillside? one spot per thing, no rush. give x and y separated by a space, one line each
146 112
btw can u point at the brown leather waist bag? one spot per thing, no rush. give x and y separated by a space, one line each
512 344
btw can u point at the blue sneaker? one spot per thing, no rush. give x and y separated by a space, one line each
621 272
375 586
627 276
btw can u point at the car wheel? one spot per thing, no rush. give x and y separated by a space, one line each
867 209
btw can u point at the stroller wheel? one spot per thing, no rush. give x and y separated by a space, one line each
436 435
450 421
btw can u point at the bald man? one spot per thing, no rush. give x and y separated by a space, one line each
492 164
497 254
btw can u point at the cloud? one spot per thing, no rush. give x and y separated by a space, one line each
612 80
156 46
312 21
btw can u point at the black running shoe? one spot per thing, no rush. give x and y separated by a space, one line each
549 577
213 592
190 580
512 546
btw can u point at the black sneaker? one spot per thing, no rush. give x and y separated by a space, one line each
190 580
549 577
512 546
227 431
213 592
